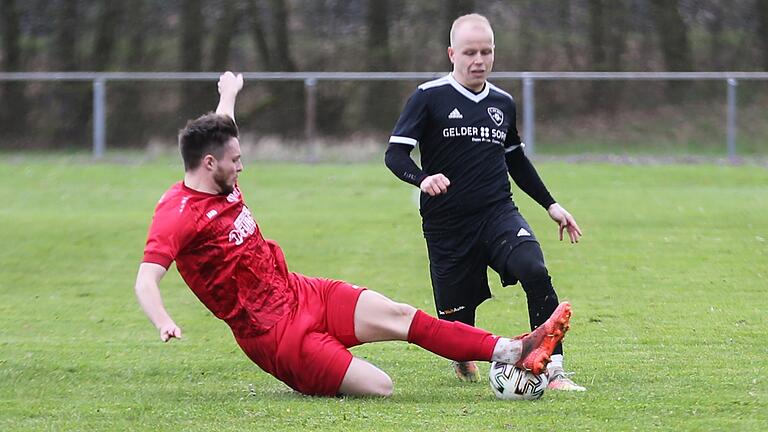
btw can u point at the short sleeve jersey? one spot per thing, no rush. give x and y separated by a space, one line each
464 136
222 256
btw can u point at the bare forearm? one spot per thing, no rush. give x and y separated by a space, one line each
227 105
152 304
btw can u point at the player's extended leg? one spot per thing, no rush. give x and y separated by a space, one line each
378 318
526 263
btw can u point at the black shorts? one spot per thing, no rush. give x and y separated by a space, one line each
458 261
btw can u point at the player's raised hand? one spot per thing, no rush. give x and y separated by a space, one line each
230 83
435 184
565 221
169 331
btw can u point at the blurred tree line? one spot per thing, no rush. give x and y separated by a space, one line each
338 35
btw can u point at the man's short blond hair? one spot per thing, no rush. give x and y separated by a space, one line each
466 19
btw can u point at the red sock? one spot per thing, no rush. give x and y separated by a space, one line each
453 340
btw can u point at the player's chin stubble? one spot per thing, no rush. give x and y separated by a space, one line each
224 186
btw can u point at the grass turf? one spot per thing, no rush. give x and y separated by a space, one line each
668 287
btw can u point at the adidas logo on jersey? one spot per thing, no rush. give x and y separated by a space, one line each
523 233
455 114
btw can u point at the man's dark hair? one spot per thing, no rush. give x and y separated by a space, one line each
204 135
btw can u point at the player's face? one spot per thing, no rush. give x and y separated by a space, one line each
472 55
228 167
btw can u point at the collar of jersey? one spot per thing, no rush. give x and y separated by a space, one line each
468 94
188 189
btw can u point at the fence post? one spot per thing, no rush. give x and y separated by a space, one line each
528 115
310 121
731 120
99 118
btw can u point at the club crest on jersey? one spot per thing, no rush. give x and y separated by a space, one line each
497 115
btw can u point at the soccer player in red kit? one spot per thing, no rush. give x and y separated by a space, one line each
295 327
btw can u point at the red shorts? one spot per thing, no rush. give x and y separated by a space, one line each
307 349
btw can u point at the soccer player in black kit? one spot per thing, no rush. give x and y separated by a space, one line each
466 132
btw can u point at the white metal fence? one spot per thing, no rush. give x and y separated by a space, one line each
100 80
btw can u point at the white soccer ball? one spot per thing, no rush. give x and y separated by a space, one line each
512 383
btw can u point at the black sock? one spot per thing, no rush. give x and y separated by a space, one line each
541 306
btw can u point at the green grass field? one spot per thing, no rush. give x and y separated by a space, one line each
669 291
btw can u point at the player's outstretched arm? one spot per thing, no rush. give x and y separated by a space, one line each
148 293
229 85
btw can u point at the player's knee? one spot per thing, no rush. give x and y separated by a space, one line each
404 312
399 320
378 384
536 271
365 379
526 263
384 386
396 314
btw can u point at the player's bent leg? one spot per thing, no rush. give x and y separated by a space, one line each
526 263
377 318
365 379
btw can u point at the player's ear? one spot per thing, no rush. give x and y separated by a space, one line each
209 162
450 53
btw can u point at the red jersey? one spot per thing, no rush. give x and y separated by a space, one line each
222 256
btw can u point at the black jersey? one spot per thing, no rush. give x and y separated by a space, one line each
464 136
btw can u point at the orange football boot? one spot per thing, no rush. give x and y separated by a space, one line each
539 344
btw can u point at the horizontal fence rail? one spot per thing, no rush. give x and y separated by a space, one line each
310 79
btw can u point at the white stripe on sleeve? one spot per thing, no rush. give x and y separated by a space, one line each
403 140
509 149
